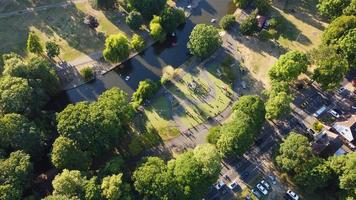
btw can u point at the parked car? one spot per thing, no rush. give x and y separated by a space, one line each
292 195
310 131
256 193
262 189
233 185
265 184
248 197
334 113
219 184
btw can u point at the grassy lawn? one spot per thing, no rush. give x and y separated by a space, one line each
14 5
64 26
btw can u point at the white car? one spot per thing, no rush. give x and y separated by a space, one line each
292 195
233 185
340 90
334 113
213 20
262 189
219 185
265 184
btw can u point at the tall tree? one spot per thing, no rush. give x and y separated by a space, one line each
204 40
33 44
250 25
171 18
66 154
18 133
156 30
337 29
15 95
113 188
70 184
117 48
348 48
52 49
148 8
278 105
253 106
289 66
294 152
332 8
331 68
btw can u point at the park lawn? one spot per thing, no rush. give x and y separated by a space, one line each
159 117
63 25
15 5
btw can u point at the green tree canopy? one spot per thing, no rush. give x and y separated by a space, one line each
250 25
117 48
214 135
70 184
148 8
332 8
14 175
137 42
204 40
294 152
289 66
67 155
253 106
337 29
330 69
348 48
171 18
156 30
113 188
18 133
227 22
52 49
146 89
33 44
92 189
15 95
278 105
134 20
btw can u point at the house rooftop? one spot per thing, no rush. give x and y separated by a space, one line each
347 129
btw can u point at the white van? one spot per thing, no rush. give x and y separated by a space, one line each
320 111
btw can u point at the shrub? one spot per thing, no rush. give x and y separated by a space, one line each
156 30
317 126
146 89
134 20
87 73
213 135
138 43
264 35
273 33
227 22
117 48
250 25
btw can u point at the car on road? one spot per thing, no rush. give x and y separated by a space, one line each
256 193
262 189
219 184
292 195
273 179
233 185
244 176
334 113
265 184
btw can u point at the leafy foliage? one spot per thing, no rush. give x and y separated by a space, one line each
146 89
278 105
137 42
113 188
332 8
87 73
227 22
213 135
70 184
250 25
348 48
156 30
204 40
148 8
52 49
289 66
294 152
171 18
134 20
66 154
33 44
117 48
337 29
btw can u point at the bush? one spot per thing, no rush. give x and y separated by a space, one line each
156 30
227 22
250 25
134 20
117 48
146 89
138 43
87 73
273 22
273 33
171 18
264 35
213 135
317 126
